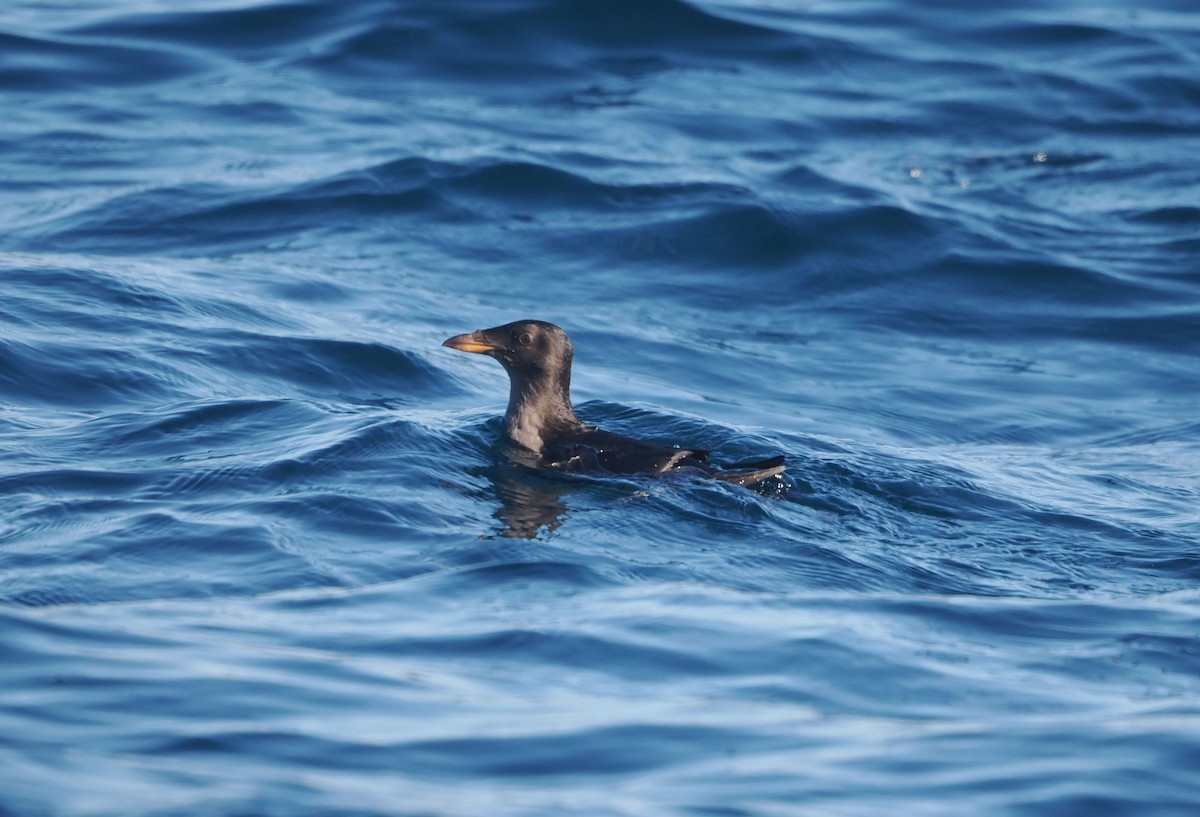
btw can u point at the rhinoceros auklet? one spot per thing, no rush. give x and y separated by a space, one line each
537 356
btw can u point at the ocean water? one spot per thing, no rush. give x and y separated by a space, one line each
261 552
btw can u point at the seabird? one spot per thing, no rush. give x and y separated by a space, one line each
540 419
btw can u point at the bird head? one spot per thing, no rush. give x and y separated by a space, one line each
527 349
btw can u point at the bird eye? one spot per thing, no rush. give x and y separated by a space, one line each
525 339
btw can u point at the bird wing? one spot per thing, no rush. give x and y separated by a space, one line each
594 448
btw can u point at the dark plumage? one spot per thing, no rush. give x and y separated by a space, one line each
537 356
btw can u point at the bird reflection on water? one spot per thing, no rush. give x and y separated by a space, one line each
528 504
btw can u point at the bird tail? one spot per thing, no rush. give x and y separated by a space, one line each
752 473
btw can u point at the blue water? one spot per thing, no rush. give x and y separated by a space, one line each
261 552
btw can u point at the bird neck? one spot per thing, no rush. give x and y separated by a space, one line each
539 406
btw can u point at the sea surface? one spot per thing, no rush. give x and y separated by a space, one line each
261 552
